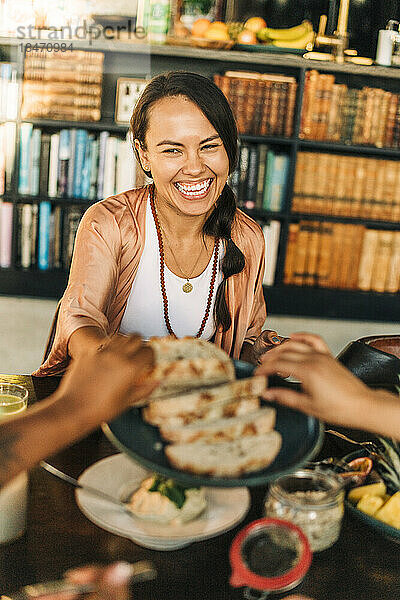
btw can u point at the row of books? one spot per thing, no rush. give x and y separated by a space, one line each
75 163
45 234
260 179
63 85
336 255
350 186
7 155
8 91
263 103
335 112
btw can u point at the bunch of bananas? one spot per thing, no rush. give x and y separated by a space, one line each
301 36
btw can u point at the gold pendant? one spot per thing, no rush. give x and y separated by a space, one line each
187 287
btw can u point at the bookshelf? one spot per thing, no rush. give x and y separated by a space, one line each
149 61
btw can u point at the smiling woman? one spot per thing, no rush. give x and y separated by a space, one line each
175 257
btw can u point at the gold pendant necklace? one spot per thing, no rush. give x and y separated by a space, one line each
187 287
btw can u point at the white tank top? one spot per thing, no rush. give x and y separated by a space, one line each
144 310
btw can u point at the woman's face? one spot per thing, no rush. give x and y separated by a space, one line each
186 156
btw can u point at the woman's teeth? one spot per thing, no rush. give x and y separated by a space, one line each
198 189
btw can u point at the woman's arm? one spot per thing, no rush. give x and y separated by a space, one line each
86 340
95 389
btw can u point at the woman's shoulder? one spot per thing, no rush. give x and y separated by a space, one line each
115 208
245 227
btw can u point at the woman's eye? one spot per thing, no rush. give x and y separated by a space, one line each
210 146
170 151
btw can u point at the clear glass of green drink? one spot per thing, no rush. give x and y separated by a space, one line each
13 496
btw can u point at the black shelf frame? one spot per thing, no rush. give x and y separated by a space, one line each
281 299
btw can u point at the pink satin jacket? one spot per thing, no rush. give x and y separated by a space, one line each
108 247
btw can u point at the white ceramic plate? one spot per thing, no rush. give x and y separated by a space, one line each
118 475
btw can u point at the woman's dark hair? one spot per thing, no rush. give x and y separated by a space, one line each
213 104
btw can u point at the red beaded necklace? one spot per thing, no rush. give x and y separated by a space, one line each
162 277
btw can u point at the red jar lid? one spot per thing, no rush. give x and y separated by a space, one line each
244 549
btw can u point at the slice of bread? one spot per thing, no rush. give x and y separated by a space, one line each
197 402
226 459
225 429
172 349
212 412
186 374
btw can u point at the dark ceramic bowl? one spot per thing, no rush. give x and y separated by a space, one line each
374 367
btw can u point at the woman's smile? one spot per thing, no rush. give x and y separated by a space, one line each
194 190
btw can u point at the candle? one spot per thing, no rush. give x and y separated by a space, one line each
343 17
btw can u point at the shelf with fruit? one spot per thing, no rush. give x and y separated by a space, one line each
251 34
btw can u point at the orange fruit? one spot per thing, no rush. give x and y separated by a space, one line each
219 25
246 37
255 24
217 31
200 26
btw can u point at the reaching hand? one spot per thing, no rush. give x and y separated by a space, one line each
329 391
116 377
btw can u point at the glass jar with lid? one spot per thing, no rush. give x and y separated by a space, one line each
313 500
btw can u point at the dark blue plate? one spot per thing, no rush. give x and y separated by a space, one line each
301 440
387 530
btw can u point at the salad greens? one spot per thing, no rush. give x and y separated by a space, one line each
171 489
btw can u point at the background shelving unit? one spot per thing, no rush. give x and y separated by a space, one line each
124 59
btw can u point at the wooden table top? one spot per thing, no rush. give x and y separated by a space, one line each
362 565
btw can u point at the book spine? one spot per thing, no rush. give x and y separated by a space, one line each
278 182
324 259
53 165
290 108
271 236
44 235
311 261
94 167
25 233
44 164
110 167
6 225
10 139
251 183
369 246
291 253
390 121
71 164
57 226
63 163
104 135
261 174
86 167
25 149
243 167
269 170
80 149
392 283
381 264
34 234
299 266
389 185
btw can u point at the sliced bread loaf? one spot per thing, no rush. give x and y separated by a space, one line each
226 459
225 429
199 401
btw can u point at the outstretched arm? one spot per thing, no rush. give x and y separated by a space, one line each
95 389
329 391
